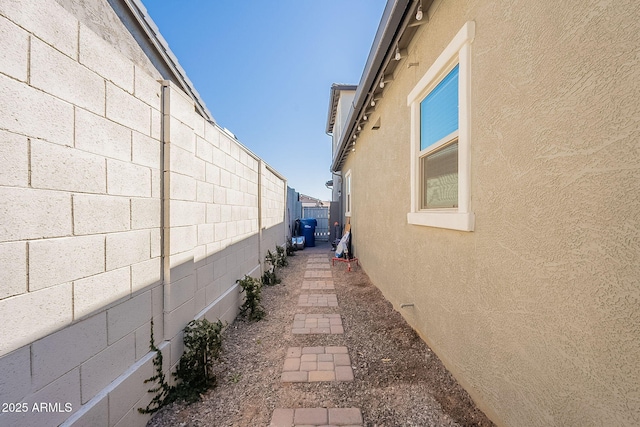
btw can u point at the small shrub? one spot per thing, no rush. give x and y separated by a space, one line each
291 250
251 309
281 257
202 345
269 277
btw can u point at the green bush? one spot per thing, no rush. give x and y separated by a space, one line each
202 345
252 308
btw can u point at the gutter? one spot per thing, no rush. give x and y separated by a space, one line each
392 17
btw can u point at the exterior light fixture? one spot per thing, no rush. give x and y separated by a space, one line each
373 102
385 79
359 128
365 117
419 13
398 56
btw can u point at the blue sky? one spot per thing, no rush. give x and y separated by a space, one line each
264 69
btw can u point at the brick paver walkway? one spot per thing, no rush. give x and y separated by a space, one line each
316 417
312 364
318 300
317 324
317 274
317 364
312 285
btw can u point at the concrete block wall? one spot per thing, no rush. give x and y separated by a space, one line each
95 239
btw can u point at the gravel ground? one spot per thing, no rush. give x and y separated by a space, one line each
398 381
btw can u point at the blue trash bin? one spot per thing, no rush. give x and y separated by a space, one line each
308 226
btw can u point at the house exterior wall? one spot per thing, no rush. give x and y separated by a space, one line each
96 241
536 311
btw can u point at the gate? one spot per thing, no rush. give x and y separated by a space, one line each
321 214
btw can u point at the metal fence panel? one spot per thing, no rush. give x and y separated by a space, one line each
321 214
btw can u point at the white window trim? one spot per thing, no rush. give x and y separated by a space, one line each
347 193
457 52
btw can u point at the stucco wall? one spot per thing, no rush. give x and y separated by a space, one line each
535 311
86 265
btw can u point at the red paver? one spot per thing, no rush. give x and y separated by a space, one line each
313 364
317 324
315 417
318 300
312 285
311 274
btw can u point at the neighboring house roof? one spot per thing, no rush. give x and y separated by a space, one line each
397 27
149 27
336 88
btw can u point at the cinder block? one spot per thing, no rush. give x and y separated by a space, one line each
225 178
132 388
145 213
198 125
94 413
156 242
226 213
64 350
200 300
95 292
156 124
212 134
179 292
63 77
61 394
55 261
128 179
204 192
106 366
15 381
212 173
200 213
182 213
147 88
180 265
100 214
146 151
98 55
199 169
47 20
205 234
43 108
225 143
182 239
128 316
176 320
181 135
220 231
27 317
14 54
124 108
181 106
156 189
145 273
204 149
182 187
127 248
13 274
181 160
213 213
14 156
64 168
219 195
157 301
102 136
143 340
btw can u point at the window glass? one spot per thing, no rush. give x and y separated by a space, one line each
439 111
440 178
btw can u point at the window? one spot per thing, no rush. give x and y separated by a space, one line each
347 192
440 184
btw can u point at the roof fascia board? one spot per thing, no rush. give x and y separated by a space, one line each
333 102
389 24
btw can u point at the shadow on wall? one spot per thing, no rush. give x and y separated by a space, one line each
96 367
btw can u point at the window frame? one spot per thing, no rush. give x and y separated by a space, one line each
458 52
348 182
